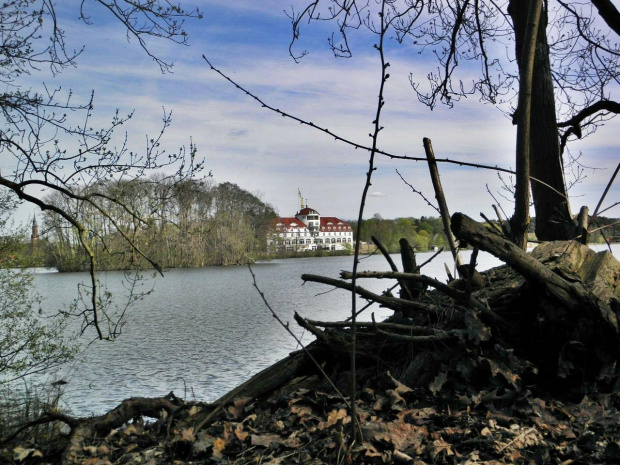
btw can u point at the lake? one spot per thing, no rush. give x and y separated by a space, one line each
203 331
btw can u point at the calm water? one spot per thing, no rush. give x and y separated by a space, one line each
204 331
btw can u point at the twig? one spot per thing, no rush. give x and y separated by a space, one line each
496 205
412 330
613 177
369 304
428 202
472 269
603 227
444 288
342 139
491 223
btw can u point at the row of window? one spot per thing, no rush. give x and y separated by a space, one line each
323 233
333 240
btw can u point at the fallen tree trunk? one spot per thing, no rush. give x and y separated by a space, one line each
570 304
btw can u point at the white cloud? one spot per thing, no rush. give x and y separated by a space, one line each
261 151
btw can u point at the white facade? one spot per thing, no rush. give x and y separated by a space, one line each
308 230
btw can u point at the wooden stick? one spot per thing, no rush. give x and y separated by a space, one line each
412 330
611 181
419 339
582 225
393 266
390 302
441 200
449 291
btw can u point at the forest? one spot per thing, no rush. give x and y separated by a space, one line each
175 223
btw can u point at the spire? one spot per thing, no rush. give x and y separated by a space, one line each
301 199
34 236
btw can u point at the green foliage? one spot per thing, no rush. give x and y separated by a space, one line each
423 233
28 343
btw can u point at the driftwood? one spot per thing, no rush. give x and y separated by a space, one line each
465 298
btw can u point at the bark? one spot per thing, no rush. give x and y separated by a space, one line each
553 216
521 220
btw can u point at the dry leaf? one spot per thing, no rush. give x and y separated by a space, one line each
438 382
130 429
203 444
186 435
264 440
438 447
90 450
241 435
20 453
333 417
396 401
218 446
400 388
301 410
236 408
380 403
194 410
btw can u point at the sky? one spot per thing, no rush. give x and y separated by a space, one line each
269 155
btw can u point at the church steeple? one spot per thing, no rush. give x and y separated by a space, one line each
34 236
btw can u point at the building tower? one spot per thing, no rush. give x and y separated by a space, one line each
34 236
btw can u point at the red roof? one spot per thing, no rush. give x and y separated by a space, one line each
332 221
288 223
307 211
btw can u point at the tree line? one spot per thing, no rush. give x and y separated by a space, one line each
424 233
176 223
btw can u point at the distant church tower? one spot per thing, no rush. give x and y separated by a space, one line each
34 236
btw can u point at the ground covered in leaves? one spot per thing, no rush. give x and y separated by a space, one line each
306 423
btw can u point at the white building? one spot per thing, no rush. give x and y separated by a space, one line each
308 230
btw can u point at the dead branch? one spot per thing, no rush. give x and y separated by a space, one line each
600 202
411 330
393 303
444 288
129 409
441 200
393 266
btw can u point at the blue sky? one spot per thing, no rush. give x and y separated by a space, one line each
264 153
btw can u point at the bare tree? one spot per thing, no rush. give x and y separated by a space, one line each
48 135
575 76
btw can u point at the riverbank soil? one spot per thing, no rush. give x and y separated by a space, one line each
517 366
